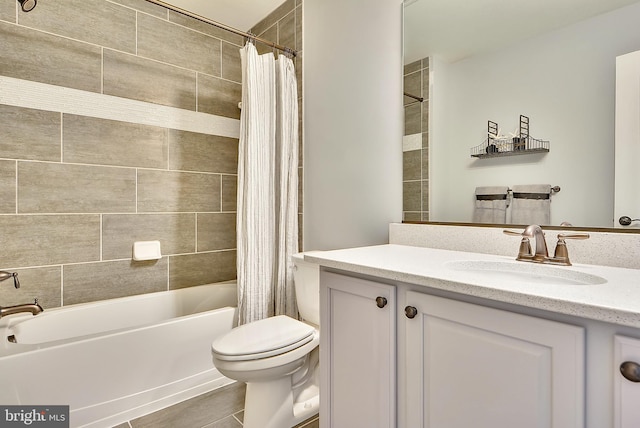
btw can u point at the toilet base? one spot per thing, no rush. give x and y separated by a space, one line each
270 405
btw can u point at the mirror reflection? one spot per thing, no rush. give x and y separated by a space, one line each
553 63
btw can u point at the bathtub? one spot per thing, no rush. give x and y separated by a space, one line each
115 360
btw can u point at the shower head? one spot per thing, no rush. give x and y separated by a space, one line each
27 5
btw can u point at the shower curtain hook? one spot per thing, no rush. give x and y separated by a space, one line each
251 38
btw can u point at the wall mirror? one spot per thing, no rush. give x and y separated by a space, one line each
551 61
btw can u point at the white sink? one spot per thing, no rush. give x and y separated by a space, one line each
531 273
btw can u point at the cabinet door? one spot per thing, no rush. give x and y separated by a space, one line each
357 351
626 393
473 366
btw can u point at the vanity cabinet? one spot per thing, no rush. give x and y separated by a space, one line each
626 392
358 352
473 366
459 364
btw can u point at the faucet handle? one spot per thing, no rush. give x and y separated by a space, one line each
511 232
524 252
572 235
561 254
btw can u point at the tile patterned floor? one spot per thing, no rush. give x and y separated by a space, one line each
222 408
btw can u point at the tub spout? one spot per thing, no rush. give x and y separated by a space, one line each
34 308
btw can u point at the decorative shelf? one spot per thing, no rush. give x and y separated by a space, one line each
496 146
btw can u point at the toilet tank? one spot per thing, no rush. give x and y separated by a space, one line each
306 277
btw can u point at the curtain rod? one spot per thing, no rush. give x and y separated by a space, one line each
223 26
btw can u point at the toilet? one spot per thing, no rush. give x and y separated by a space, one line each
278 358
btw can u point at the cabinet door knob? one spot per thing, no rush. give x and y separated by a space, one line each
410 312
381 301
630 371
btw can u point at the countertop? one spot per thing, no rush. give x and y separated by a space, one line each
612 296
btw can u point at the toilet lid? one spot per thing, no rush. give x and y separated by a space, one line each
263 338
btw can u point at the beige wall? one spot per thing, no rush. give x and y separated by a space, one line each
77 190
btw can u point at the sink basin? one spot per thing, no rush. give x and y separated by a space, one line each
525 272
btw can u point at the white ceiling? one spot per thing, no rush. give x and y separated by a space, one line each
451 29
239 14
455 29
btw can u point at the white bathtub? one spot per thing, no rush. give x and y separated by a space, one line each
115 360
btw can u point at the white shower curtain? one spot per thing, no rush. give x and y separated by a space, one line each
267 218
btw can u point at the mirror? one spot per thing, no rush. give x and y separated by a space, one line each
553 62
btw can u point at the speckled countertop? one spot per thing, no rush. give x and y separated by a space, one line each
588 291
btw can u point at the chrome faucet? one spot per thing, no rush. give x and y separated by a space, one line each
541 255
34 308
6 275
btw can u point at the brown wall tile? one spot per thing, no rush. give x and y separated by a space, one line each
141 79
411 196
229 192
203 27
35 283
411 165
216 231
110 142
167 42
108 280
287 30
144 6
298 28
274 16
218 96
412 119
191 151
270 34
176 233
178 191
38 240
68 63
413 86
29 134
231 63
7 186
201 268
98 22
8 10
64 188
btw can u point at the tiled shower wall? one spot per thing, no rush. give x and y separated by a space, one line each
77 190
415 180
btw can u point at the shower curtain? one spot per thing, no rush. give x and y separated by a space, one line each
267 217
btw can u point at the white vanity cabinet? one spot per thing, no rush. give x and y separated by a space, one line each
460 365
357 352
473 366
626 392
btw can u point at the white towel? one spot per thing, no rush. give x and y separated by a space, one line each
531 204
491 205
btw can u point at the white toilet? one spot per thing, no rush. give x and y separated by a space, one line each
278 358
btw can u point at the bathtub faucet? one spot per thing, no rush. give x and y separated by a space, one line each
34 308
6 275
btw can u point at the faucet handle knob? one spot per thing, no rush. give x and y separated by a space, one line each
511 232
561 254
524 252
16 283
573 235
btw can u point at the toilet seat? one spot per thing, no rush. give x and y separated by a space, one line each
262 339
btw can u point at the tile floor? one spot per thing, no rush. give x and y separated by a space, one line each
222 408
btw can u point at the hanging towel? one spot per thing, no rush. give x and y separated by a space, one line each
490 204
531 204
